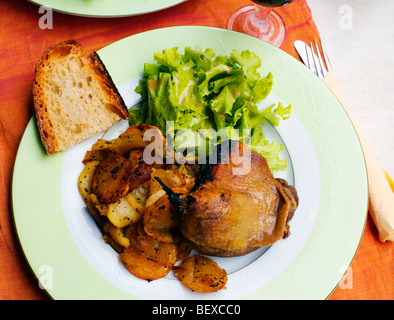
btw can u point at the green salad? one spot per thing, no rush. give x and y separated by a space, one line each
212 97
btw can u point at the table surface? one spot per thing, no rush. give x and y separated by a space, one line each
355 34
371 275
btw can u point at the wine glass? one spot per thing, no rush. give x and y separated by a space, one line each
259 20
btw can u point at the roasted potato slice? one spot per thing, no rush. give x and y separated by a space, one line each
154 198
170 177
160 220
116 234
135 137
147 258
201 274
85 179
93 201
139 175
140 170
136 157
121 213
111 178
116 246
94 209
160 217
96 155
137 197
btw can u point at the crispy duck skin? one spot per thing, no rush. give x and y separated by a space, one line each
229 214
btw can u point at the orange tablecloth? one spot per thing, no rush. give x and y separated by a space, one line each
21 45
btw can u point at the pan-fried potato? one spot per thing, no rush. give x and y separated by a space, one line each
134 213
102 208
171 178
135 137
201 274
137 198
116 234
128 209
94 211
85 179
141 171
139 175
110 179
160 217
121 213
96 155
143 136
146 257
136 157
154 197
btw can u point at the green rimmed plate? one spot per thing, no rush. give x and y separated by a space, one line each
107 8
64 247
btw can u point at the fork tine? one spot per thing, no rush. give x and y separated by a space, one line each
318 66
321 62
326 60
309 55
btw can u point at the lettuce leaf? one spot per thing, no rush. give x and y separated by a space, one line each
199 90
269 150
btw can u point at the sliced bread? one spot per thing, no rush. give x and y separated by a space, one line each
74 96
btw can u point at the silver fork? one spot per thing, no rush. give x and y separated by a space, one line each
317 63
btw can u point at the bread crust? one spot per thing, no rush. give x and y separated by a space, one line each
57 53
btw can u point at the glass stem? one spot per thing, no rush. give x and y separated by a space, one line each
259 22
